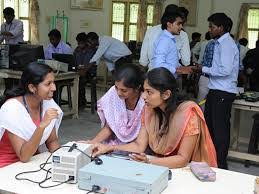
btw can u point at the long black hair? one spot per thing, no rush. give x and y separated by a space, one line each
34 74
131 75
162 80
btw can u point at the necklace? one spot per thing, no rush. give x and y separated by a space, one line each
27 107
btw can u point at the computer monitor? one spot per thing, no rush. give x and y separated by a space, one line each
4 56
66 58
20 55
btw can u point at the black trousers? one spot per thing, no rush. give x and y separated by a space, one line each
83 80
217 114
254 137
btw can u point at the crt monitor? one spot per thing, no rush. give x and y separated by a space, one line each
65 58
21 55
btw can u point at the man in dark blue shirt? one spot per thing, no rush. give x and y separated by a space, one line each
83 53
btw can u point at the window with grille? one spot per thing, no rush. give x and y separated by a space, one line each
150 14
253 26
21 8
124 19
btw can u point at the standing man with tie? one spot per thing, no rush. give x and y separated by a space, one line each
222 85
11 29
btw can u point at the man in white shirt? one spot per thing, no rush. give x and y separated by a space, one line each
152 34
199 48
11 29
56 45
113 51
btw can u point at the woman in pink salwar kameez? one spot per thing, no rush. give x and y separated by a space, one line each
121 107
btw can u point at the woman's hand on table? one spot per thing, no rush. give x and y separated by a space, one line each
141 157
98 149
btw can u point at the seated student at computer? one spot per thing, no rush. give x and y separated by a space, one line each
56 45
29 116
121 107
175 131
83 53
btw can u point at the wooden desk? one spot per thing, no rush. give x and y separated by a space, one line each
183 181
8 73
239 105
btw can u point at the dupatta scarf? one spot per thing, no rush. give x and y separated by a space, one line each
112 111
166 144
16 119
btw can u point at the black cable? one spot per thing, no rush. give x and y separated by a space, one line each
95 189
34 171
46 177
45 187
41 168
85 154
97 160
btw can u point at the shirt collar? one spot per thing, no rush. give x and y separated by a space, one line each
167 33
9 23
223 37
59 45
12 22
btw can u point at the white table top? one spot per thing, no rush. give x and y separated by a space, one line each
183 181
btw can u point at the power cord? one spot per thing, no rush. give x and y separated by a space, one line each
34 171
45 187
41 166
48 171
95 189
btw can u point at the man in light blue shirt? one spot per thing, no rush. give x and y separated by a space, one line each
165 50
153 33
56 45
225 65
222 84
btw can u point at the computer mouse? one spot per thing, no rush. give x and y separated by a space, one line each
98 161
